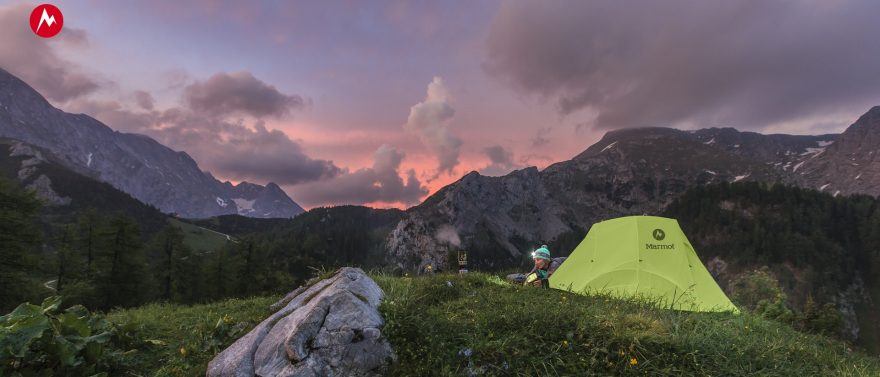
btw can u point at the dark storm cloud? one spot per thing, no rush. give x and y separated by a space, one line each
260 154
230 149
498 155
541 137
115 115
659 63
239 92
500 161
33 59
144 99
203 127
380 183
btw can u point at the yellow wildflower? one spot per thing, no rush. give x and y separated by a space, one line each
183 351
633 361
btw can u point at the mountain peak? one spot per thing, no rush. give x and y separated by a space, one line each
627 136
18 92
133 163
865 131
870 118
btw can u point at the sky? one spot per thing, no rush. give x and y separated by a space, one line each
384 102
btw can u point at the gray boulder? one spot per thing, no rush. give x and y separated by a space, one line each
332 328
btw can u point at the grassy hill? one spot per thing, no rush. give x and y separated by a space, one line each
476 324
201 239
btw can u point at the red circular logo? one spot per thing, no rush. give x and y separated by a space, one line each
46 20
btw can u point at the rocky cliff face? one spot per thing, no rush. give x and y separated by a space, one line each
136 164
628 172
65 192
253 200
851 165
494 218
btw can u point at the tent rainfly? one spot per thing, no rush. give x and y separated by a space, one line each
644 257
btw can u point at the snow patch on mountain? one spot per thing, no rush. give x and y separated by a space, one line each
244 206
608 147
813 151
221 202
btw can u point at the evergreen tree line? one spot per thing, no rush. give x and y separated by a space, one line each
754 224
104 264
103 261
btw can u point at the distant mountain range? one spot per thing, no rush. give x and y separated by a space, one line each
66 193
136 164
629 171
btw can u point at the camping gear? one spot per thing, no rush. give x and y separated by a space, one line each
541 253
462 262
537 278
643 257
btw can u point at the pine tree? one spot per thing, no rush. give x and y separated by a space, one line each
125 282
169 269
67 261
88 225
19 243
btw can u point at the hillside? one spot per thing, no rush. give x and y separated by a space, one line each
820 247
628 172
68 193
69 233
136 164
331 237
478 325
201 239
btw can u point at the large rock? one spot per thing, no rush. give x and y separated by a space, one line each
332 328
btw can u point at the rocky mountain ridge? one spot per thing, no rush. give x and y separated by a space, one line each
169 180
627 172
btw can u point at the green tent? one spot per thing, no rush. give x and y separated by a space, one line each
642 256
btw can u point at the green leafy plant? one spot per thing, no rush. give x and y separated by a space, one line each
45 341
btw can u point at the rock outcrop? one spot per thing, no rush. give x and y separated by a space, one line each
331 328
850 165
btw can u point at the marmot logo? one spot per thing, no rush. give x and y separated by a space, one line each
659 234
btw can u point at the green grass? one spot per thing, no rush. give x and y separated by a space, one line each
183 339
480 324
200 239
477 324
